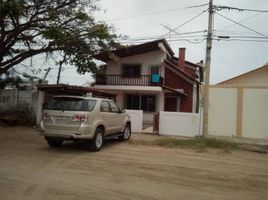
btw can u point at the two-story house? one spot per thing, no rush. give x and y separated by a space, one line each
149 77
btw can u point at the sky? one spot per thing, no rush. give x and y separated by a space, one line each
149 19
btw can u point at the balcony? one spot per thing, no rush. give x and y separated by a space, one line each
142 80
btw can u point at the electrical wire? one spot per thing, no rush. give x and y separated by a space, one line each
242 36
240 24
239 9
243 40
157 36
188 21
157 12
243 20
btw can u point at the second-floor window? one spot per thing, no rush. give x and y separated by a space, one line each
154 69
131 70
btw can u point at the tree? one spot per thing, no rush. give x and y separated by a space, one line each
10 77
32 27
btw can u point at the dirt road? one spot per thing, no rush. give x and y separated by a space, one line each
31 170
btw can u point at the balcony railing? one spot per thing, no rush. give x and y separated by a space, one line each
142 80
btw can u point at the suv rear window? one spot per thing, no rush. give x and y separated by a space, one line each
70 104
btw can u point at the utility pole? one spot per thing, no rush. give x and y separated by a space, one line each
59 72
47 71
207 69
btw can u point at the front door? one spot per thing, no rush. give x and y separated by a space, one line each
171 104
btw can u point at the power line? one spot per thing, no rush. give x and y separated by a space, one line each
157 36
157 12
240 24
241 40
243 20
188 21
241 36
235 32
154 38
239 9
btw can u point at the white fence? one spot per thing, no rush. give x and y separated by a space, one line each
179 124
238 111
136 117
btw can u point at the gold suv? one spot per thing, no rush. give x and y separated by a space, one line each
83 118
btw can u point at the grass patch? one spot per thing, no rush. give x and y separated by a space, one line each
196 143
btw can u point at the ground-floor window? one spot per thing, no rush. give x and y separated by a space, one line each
140 102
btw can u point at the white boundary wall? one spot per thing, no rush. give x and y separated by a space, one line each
238 111
136 117
179 124
14 99
222 111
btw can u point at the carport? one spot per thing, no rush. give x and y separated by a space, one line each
45 92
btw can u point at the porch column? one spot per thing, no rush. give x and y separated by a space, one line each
39 108
161 101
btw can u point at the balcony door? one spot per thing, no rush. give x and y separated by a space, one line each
131 70
155 69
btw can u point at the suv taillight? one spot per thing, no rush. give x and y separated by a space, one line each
45 115
79 118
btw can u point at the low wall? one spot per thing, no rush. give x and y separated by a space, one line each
15 99
18 104
136 117
179 124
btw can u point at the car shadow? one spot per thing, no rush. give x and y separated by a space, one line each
80 146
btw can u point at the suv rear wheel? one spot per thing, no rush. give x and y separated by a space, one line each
126 133
97 142
54 142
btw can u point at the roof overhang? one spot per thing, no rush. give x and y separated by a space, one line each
184 74
72 90
179 93
150 89
135 50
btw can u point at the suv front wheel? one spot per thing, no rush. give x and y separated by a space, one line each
97 142
126 133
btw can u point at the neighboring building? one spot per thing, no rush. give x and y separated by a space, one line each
149 77
238 107
256 77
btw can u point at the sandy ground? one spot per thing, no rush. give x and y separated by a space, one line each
29 169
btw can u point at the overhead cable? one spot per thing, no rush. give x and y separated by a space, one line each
241 24
157 12
188 21
238 9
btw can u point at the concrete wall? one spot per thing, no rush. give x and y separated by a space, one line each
179 124
10 99
222 111
136 117
19 101
238 111
255 113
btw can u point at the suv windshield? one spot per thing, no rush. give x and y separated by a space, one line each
70 104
